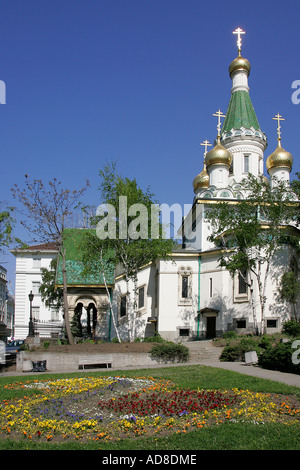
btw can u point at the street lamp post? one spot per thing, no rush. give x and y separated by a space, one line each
31 327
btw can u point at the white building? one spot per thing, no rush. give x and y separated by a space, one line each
29 261
6 306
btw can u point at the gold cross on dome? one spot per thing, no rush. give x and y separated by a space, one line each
206 144
278 118
219 115
239 32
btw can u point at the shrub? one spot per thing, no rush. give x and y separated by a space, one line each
232 353
154 339
229 335
249 344
265 342
279 358
114 340
170 352
236 352
291 328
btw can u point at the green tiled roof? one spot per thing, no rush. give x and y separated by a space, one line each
75 266
240 112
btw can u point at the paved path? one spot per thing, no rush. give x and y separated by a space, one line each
241 367
255 371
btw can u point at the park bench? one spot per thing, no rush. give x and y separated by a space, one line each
94 362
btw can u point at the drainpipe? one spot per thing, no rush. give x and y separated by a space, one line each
198 317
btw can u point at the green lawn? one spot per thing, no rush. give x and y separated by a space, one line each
227 436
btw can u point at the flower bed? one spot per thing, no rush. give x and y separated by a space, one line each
110 408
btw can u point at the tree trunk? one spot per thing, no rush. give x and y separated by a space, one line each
66 306
134 308
264 288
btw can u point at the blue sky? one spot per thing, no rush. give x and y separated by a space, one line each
91 81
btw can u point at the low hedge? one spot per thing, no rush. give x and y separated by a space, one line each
236 352
170 352
282 357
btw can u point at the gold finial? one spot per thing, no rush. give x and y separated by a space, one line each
278 118
219 115
239 32
206 144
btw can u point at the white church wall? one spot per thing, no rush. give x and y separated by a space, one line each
145 305
277 309
177 313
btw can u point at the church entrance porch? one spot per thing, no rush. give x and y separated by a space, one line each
87 319
209 321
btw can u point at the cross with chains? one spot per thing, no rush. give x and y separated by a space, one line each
206 144
239 32
278 118
219 115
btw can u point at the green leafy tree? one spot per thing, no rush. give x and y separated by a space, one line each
6 226
124 223
47 210
50 294
251 231
295 185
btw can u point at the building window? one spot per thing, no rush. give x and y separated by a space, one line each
141 297
210 287
36 313
242 282
54 314
241 323
240 286
184 332
220 176
36 287
36 262
194 218
272 323
246 163
123 306
184 287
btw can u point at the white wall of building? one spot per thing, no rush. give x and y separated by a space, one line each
28 278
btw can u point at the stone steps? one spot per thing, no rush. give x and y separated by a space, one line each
203 351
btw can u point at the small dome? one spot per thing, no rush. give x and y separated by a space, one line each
218 155
201 180
240 63
279 158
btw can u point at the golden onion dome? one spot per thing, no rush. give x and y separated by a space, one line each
279 158
201 180
239 63
218 155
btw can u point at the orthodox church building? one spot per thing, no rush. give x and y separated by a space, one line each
189 297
